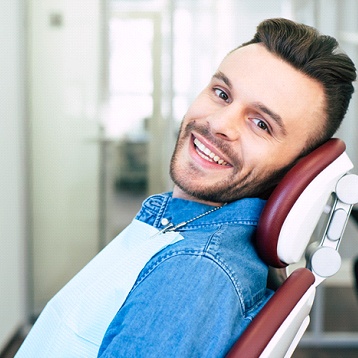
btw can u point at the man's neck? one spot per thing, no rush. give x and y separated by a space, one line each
179 193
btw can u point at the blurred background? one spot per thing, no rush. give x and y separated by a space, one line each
92 93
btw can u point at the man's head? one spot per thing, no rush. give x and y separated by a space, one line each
267 104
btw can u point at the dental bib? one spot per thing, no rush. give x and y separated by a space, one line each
75 320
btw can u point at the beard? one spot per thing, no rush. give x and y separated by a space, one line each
232 188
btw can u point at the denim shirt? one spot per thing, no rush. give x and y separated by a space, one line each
195 297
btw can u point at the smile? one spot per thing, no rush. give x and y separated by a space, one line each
207 154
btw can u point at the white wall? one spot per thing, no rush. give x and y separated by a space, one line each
12 178
64 72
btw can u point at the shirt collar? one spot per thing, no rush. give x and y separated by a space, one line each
177 210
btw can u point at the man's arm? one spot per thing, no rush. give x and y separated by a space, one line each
186 307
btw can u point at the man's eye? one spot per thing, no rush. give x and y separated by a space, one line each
261 124
221 94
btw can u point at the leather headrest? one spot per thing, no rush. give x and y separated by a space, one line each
295 206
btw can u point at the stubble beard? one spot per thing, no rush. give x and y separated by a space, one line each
226 190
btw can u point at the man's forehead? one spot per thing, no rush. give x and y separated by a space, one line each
251 53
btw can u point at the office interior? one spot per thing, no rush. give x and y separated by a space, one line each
91 98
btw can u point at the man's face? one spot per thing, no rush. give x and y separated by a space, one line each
249 124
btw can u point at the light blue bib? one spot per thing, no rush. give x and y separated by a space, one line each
75 320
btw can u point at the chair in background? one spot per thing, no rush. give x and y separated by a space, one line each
319 182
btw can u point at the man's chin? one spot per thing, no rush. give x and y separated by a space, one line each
210 195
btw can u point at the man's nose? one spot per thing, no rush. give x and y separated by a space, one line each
227 123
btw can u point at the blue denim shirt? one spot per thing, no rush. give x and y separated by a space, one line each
195 297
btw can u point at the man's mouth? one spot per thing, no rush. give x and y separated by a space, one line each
207 154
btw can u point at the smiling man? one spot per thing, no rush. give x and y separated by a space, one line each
184 279
270 102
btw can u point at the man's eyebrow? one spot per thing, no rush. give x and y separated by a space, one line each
276 117
221 76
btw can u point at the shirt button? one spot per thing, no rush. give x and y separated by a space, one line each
164 221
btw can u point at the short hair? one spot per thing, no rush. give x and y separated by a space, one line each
317 56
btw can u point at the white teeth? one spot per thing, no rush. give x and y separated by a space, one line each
209 155
204 156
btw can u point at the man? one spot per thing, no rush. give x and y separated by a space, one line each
270 102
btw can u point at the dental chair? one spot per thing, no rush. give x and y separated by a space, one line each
319 182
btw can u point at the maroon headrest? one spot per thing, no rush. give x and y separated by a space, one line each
285 195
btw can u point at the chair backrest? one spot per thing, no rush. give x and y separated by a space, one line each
274 330
284 232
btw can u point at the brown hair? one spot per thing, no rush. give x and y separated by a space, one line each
318 57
